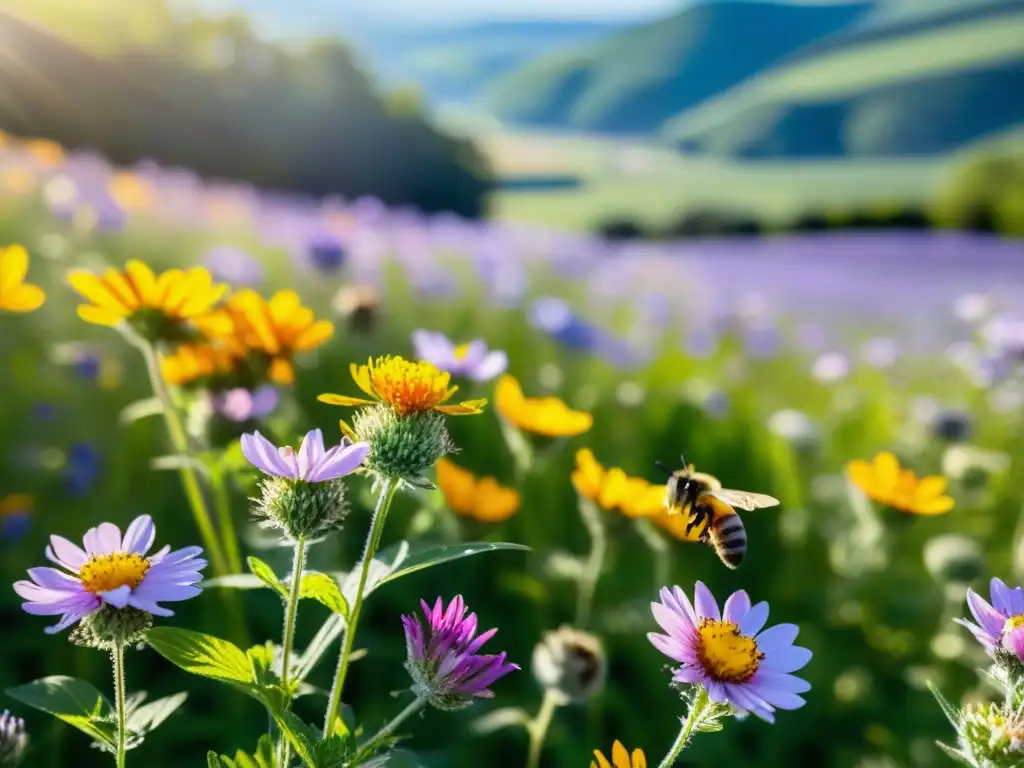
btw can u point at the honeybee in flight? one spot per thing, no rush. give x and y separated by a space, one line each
712 508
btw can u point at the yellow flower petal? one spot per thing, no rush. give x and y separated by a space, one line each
508 395
936 506
602 761
620 757
315 335
639 761
13 266
929 488
467 408
92 289
282 371
361 376
642 499
494 503
886 471
143 281
457 485
165 284
615 484
99 315
203 301
861 474
347 431
119 286
343 400
22 298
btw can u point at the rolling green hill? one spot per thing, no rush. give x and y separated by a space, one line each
915 78
633 81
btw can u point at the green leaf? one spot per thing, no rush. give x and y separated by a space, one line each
200 654
140 409
954 754
265 574
175 462
73 701
212 761
952 713
325 590
401 758
264 757
393 562
234 581
505 717
142 720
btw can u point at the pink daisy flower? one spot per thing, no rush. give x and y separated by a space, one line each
729 653
111 570
1000 624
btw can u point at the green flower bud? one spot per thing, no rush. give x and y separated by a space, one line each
299 509
110 627
570 663
954 559
402 446
991 736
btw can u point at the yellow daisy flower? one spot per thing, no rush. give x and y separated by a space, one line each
614 489
15 294
191 362
278 328
158 307
406 387
620 758
481 498
676 526
547 416
884 481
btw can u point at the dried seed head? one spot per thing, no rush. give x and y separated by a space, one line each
571 663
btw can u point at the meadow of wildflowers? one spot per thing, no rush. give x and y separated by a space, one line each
329 484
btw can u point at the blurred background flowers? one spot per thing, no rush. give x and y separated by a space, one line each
779 237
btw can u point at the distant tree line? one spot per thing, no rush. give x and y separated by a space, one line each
985 194
213 97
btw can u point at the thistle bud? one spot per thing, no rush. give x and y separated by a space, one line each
954 559
570 663
302 510
110 627
13 739
992 736
402 446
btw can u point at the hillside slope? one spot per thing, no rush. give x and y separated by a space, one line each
912 79
633 81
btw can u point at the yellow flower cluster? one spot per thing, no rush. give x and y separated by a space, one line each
620 758
613 489
483 498
15 294
545 416
885 481
204 332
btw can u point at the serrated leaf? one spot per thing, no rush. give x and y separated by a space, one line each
266 575
140 409
955 754
391 563
952 713
72 701
201 654
325 590
234 581
176 462
505 717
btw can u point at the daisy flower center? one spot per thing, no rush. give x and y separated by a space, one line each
1012 623
409 387
725 654
102 573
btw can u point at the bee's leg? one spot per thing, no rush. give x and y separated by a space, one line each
698 519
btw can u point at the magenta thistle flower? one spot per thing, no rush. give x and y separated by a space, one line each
728 653
112 570
472 360
1000 624
445 665
311 464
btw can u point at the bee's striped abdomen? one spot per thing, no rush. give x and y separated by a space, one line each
729 538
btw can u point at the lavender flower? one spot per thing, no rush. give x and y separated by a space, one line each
13 739
1000 625
445 666
472 360
303 494
241 405
233 265
728 654
112 571
312 464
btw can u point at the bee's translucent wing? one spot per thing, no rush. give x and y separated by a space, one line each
744 499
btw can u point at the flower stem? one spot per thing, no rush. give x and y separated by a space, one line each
683 739
592 571
179 440
659 550
291 611
118 658
537 728
367 749
387 494
222 508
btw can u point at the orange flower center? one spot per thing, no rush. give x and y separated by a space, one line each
102 573
409 387
725 654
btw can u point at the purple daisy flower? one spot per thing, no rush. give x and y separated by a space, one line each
111 570
311 464
445 666
472 360
1000 624
240 405
728 653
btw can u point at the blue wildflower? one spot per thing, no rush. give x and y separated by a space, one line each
15 517
82 467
